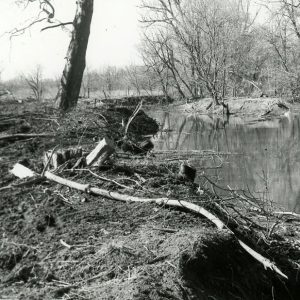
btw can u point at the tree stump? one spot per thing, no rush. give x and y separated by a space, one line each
101 153
187 172
57 158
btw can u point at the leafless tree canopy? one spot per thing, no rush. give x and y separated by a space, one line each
217 48
45 14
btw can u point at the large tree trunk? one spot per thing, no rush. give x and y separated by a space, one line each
68 94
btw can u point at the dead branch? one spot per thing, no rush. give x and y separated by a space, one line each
137 109
65 244
20 136
287 213
49 160
57 25
104 178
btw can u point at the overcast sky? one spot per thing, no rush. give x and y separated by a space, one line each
113 40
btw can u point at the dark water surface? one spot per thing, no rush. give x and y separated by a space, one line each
266 156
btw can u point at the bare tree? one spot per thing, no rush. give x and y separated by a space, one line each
86 83
35 83
71 79
194 40
283 35
109 80
134 77
158 54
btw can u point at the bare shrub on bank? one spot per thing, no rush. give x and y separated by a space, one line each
35 83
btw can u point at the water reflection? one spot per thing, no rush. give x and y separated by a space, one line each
269 150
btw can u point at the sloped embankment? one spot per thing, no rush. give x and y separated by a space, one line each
60 243
249 108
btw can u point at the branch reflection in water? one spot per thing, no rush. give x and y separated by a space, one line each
269 151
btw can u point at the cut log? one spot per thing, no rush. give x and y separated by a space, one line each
101 153
187 172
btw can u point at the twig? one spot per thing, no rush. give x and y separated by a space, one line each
104 273
48 162
287 213
64 199
57 25
273 228
264 261
137 109
25 136
65 244
169 230
104 178
78 144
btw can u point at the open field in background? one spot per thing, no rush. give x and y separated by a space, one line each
50 92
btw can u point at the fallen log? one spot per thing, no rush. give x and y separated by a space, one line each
167 202
120 197
20 136
288 214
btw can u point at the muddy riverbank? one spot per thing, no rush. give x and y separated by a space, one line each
243 108
60 243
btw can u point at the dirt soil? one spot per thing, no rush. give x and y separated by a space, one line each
59 243
134 100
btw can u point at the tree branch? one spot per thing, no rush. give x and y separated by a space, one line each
57 25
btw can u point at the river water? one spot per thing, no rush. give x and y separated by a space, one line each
264 156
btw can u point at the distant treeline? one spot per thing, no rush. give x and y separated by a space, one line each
218 48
